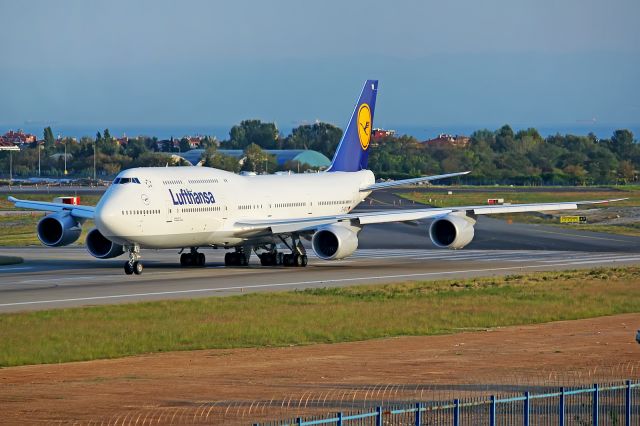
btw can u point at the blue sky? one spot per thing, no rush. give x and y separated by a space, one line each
212 62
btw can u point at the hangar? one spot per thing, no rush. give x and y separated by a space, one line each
313 158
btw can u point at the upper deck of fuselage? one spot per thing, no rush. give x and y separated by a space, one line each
150 177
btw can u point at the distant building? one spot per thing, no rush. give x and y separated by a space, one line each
19 137
194 141
444 139
5 145
123 141
60 139
382 133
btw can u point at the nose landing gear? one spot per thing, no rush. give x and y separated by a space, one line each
133 265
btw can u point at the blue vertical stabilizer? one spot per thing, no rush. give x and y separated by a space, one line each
353 151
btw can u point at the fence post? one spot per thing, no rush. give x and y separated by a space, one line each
627 404
339 422
456 412
595 405
378 416
561 408
418 414
492 411
525 414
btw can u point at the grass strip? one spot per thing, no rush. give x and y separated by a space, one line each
324 315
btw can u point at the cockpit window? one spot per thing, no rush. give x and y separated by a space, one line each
124 180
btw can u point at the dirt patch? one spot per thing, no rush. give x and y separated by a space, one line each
227 386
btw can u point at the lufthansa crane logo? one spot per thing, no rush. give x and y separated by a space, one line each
364 125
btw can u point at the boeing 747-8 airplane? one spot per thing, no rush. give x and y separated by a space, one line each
194 207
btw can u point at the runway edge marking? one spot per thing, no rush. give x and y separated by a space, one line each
290 284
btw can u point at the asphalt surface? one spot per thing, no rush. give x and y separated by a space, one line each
68 276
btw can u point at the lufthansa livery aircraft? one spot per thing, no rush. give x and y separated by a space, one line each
188 208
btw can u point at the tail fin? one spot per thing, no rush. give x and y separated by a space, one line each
353 151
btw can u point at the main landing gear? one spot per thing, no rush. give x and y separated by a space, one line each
193 258
237 258
133 265
272 257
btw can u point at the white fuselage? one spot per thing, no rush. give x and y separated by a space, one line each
161 207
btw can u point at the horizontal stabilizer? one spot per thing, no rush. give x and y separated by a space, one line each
383 185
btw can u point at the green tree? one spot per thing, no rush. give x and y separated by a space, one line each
262 134
622 144
135 148
184 145
49 140
321 137
257 160
222 162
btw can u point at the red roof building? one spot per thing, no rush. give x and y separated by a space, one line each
19 137
382 133
6 145
443 139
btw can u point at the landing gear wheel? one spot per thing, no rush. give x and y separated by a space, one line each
236 259
201 259
295 259
183 259
133 266
304 260
137 268
279 259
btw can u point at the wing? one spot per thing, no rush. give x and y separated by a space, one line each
260 227
383 185
79 211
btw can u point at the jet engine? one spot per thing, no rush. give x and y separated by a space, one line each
58 229
101 247
335 241
452 231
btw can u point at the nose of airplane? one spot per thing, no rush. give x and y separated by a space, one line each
109 218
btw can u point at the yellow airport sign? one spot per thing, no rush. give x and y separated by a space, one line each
573 219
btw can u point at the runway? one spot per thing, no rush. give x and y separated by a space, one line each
69 276
65 277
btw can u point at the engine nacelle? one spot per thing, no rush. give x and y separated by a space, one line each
452 231
58 229
101 247
335 241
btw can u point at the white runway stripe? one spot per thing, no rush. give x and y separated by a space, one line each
542 256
